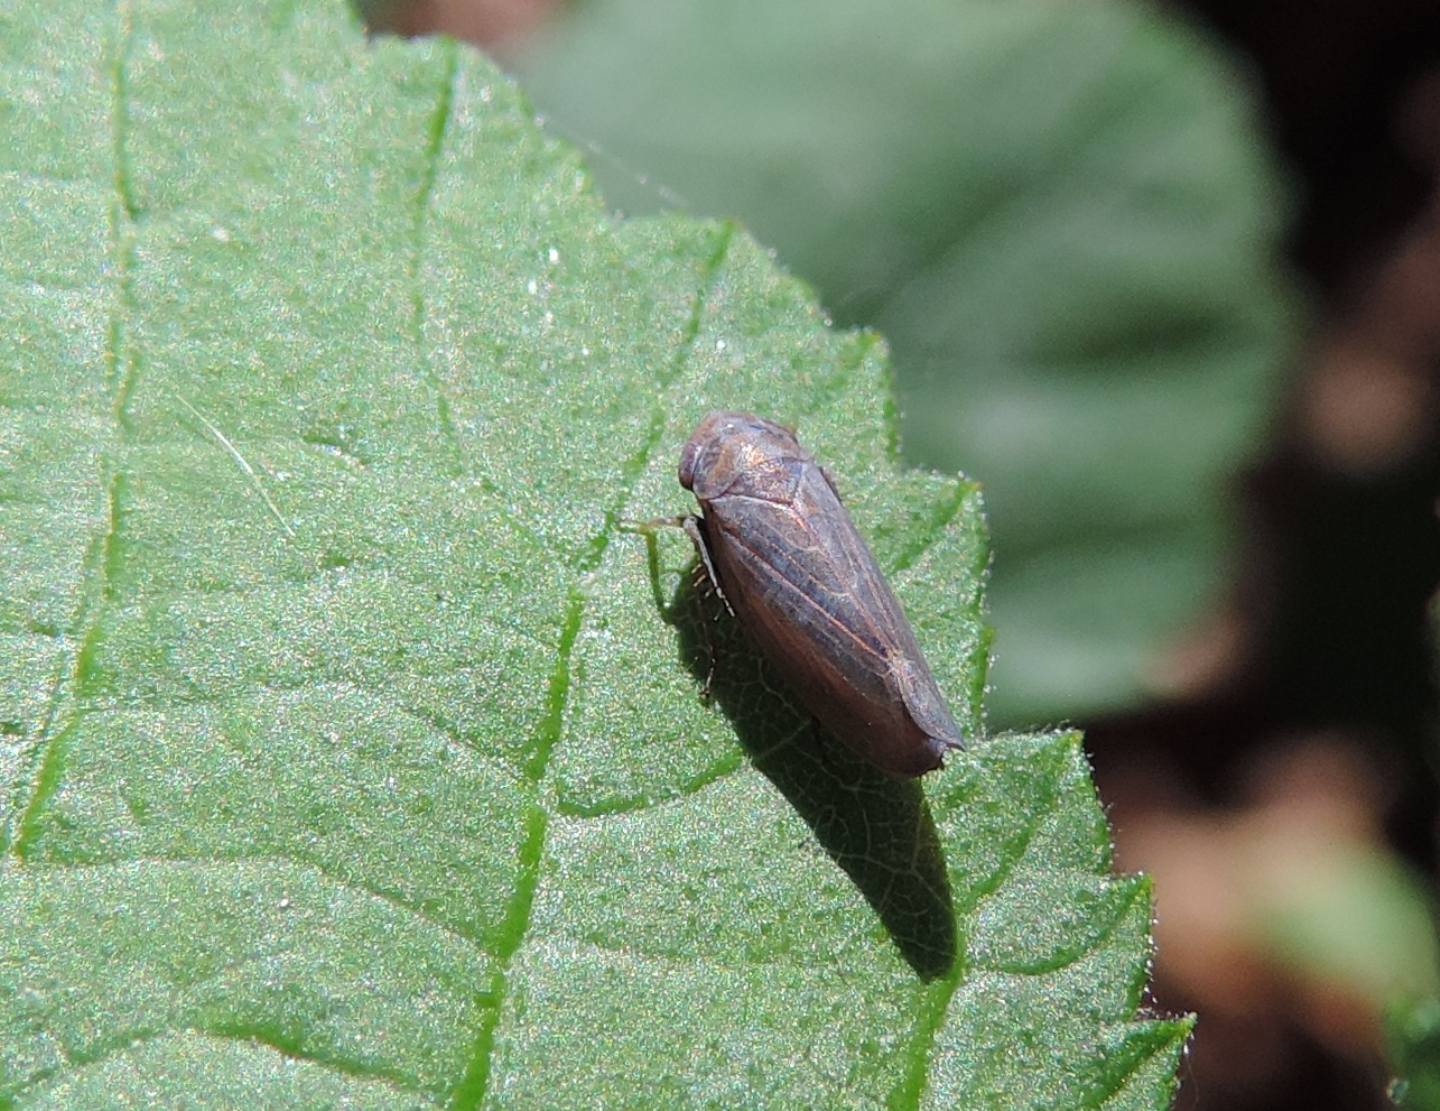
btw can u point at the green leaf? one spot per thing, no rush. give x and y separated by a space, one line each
1059 215
1354 918
1413 1034
1353 922
351 750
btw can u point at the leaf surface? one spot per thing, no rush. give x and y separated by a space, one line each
351 749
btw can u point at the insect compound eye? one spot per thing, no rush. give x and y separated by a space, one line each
687 465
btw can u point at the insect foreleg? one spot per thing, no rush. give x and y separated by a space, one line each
695 529
705 579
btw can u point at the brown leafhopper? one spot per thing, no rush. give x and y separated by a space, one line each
782 551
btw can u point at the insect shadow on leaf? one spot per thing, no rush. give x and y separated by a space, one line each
877 828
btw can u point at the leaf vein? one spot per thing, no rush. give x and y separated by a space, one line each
114 1047
911 1090
1068 956
473 1085
1179 1033
629 805
943 516
298 861
419 245
96 584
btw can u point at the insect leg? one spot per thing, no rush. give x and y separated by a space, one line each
701 584
695 529
705 571
705 579
647 528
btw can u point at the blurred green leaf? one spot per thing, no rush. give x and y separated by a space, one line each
1060 216
1354 918
351 752
1414 1036
1353 921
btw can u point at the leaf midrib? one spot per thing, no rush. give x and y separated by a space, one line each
122 371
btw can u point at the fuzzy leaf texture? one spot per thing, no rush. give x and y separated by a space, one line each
352 753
